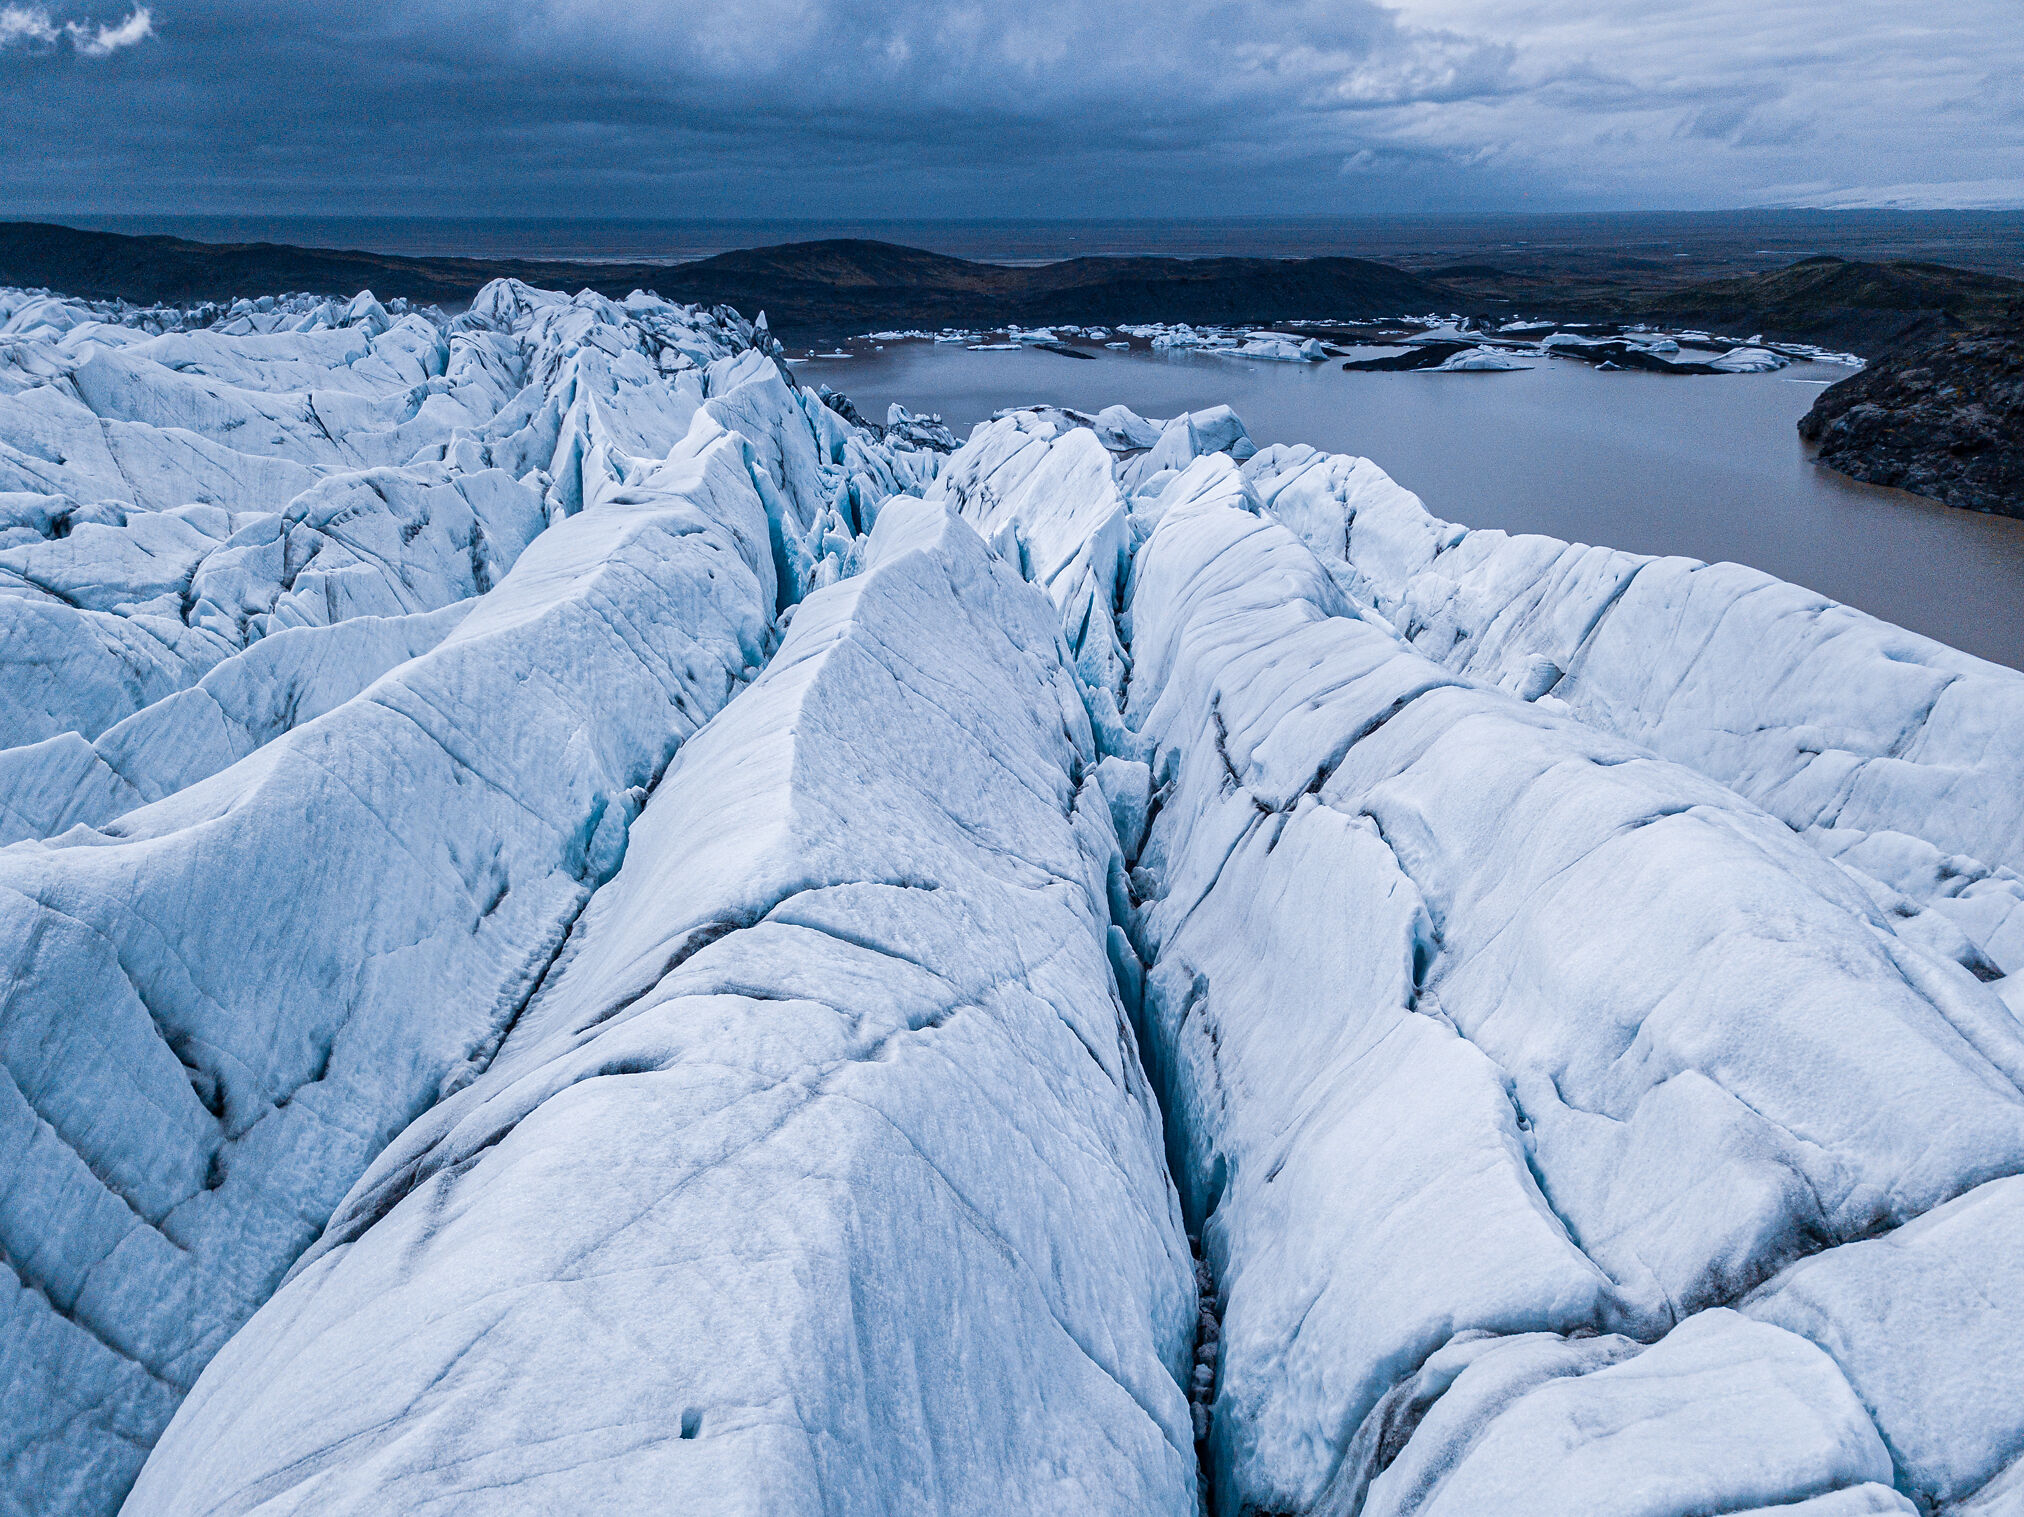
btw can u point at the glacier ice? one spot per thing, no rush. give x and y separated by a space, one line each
226 1000
1877 744
581 923
394 876
825 1084
285 678
1473 1018
1545 1424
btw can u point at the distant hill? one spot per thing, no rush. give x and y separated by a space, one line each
1863 305
819 291
147 270
812 290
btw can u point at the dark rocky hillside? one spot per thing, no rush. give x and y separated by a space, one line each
1940 415
1860 305
812 290
820 291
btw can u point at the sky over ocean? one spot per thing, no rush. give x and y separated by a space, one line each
909 109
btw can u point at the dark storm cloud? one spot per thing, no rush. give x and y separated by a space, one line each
903 107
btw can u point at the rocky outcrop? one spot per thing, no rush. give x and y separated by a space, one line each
1941 415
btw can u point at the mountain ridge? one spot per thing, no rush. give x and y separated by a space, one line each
834 288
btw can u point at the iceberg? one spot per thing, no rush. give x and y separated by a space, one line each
1749 360
1479 361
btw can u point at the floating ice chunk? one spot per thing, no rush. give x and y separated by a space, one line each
1480 361
1277 347
1749 361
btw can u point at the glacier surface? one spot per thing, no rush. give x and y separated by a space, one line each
586 931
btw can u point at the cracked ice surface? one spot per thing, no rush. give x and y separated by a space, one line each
1480 1026
1575 993
1894 753
330 847
827 1140
191 1089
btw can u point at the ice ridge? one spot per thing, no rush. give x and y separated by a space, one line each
585 930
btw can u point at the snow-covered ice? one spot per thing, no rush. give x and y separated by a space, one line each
584 926
1598 1043
223 1003
833 1079
1887 750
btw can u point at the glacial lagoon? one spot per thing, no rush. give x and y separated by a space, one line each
1710 467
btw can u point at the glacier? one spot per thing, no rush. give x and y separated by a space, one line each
587 930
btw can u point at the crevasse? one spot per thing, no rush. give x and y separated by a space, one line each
589 934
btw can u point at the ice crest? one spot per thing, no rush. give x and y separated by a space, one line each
582 922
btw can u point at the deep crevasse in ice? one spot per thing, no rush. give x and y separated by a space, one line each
1496 1048
223 1003
825 1146
1572 990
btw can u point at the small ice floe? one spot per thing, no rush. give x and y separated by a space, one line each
1810 354
1279 347
1479 361
1749 361
1273 347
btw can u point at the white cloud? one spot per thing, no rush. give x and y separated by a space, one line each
1694 102
1724 101
1946 195
33 26
20 23
97 42
1044 107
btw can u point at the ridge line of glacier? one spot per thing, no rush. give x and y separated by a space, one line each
1406 1019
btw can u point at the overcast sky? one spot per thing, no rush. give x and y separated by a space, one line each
1029 108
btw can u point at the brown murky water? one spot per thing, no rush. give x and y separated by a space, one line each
1710 467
